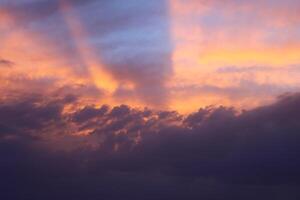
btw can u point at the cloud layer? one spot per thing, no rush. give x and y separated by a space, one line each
51 151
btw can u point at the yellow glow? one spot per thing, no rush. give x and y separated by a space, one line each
244 57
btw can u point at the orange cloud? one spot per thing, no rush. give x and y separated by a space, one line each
201 49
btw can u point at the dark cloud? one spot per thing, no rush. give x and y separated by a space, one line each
89 112
214 153
6 63
30 116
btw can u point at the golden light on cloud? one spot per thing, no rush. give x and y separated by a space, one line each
243 57
195 53
204 44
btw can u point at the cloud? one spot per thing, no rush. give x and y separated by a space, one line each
244 92
6 63
248 69
215 153
130 43
30 116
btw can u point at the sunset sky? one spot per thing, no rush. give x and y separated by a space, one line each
174 88
175 55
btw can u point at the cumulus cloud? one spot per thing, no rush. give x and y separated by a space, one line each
215 153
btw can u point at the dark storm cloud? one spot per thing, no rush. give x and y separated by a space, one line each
214 153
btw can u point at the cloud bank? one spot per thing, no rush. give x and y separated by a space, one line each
52 149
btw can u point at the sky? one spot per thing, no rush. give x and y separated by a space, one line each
149 99
163 54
